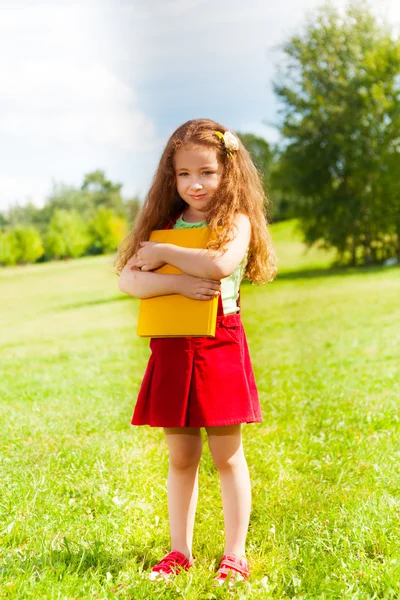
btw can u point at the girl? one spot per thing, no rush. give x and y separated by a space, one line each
205 178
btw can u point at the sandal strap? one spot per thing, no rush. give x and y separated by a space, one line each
173 559
230 561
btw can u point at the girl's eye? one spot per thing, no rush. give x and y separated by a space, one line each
204 173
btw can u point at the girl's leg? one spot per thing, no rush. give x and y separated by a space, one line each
185 447
227 451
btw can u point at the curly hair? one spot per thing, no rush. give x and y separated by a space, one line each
240 191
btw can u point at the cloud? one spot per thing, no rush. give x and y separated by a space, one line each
156 8
271 134
61 100
16 190
65 95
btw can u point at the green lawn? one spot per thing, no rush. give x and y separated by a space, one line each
83 493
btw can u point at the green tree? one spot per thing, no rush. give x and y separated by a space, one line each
261 154
8 247
67 235
64 197
103 192
23 214
106 230
29 244
341 117
266 159
284 198
132 208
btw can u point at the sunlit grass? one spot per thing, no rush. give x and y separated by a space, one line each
83 493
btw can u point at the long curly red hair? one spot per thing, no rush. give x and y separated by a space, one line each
240 191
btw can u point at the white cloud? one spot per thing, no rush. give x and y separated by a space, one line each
265 131
55 89
151 9
61 100
18 190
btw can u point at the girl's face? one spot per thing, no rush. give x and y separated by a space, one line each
198 175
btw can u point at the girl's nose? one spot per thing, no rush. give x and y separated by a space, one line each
196 186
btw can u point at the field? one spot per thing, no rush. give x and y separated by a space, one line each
83 493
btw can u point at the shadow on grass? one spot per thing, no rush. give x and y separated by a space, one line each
73 558
330 272
96 302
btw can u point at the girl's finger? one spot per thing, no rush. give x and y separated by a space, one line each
213 281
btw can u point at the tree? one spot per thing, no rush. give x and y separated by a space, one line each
106 230
266 159
8 248
18 214
29 244
67 235
103 192
132 207
341 118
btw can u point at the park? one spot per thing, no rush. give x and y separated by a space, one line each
83 498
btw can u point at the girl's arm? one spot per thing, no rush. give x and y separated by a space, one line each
201 263
140 284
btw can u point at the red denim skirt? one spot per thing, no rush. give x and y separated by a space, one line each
200 381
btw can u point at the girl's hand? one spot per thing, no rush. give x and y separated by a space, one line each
148 257
196 288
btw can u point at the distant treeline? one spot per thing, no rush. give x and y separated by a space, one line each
91 219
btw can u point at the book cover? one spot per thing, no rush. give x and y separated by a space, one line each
174 315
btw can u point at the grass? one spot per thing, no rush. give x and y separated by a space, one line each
83 507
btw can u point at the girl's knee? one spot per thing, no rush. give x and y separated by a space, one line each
184 461
228 462
184 449
226 448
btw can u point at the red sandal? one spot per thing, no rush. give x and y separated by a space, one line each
170 565
238 568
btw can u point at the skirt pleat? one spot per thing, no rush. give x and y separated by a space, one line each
199 381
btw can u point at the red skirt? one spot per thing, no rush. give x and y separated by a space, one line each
200 381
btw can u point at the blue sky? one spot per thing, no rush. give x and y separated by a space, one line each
102 84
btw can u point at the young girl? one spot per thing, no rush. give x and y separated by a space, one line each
205 178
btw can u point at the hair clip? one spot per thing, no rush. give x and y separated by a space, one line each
229 140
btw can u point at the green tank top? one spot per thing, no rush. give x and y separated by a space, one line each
229 285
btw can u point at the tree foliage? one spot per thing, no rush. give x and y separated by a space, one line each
67 235
20 245
29 244
91 219
8 248
267 161
340 90
106 230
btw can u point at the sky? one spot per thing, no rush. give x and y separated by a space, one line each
102 84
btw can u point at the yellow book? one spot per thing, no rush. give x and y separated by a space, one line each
175 315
